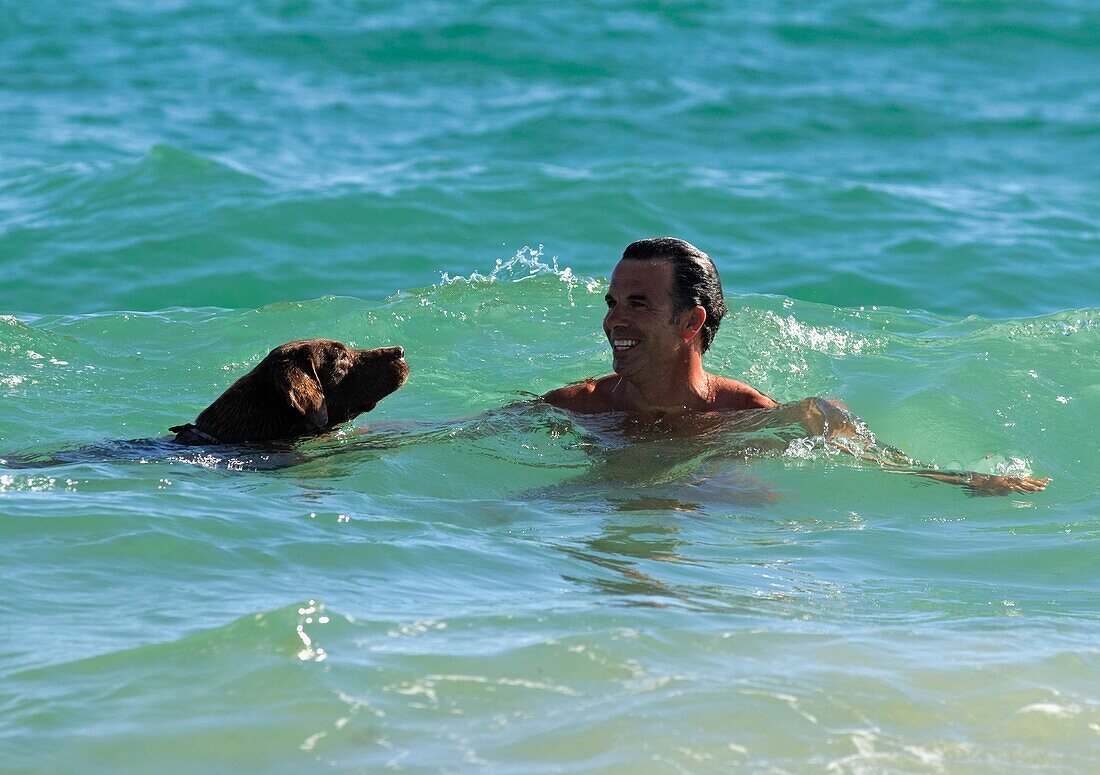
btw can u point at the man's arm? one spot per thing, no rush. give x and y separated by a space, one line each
830 419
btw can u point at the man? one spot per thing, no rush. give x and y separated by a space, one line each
664 306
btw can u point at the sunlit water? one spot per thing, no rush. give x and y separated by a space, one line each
902 202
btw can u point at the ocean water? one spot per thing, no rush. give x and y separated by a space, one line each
902 199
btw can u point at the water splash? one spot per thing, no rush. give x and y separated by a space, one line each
526 264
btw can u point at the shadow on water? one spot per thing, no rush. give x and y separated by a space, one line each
660 559
622 549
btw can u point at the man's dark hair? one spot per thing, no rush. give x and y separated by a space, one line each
695 280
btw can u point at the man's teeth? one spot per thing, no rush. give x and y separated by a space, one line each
623 344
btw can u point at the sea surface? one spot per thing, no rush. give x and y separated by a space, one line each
903 198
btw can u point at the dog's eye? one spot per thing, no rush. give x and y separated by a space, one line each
342 364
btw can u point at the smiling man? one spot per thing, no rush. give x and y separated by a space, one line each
664 306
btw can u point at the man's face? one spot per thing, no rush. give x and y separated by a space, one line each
639 322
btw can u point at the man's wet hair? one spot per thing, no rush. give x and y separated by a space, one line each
695 280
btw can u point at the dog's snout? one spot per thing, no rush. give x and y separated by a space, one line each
381 354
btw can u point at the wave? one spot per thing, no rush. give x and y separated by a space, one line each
946 22
281 632
223 236
997 396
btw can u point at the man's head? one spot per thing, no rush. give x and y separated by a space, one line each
695 280
658 306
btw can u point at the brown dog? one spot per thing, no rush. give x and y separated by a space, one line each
301 388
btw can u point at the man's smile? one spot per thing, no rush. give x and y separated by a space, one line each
621 345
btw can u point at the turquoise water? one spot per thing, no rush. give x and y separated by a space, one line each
902 200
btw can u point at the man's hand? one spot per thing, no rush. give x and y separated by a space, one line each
983 484
993 484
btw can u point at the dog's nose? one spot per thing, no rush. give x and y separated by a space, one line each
384 354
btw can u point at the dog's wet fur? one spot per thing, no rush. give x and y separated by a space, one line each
301 388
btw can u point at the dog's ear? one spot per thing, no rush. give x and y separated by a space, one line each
296 378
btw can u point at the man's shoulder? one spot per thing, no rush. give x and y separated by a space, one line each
588 396
731 394
597 394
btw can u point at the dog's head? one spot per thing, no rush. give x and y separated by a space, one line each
300 388
329 383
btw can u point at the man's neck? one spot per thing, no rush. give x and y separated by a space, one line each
675 390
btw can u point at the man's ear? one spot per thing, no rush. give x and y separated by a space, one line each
297 380
693 322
